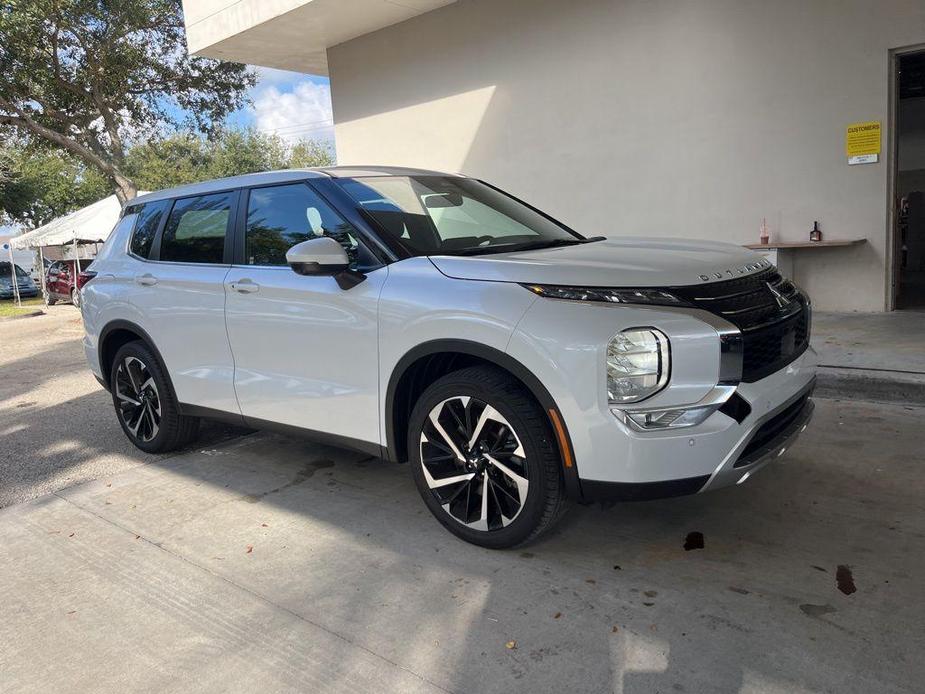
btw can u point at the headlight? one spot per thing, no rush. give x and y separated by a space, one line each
656 297
638 361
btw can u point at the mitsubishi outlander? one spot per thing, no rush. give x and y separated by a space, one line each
434 319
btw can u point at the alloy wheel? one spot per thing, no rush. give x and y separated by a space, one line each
474 463
139 401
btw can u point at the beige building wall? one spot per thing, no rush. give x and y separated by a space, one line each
691 118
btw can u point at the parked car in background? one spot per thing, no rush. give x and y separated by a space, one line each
63 280
25 284
434 319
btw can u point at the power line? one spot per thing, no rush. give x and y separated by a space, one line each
298 126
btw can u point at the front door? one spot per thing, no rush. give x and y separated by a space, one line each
305 350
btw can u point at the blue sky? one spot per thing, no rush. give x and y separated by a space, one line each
293 105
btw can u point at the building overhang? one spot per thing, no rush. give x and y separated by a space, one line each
289 34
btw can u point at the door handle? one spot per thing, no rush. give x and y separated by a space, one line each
245 287
146 280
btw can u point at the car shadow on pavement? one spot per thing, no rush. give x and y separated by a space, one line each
609 601
51 446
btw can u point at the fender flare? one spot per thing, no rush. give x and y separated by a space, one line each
502 360
120 324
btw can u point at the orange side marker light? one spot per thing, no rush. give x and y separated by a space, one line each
560 435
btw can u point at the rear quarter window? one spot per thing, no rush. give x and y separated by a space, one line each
149 220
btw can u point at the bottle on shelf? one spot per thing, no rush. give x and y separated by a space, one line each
765 236
816 233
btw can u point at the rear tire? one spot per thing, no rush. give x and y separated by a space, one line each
513 460
145 404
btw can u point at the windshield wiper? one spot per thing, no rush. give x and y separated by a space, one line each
553 243
527 246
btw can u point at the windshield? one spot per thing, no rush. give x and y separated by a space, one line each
443 215
5 271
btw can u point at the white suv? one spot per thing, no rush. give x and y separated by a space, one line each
432 318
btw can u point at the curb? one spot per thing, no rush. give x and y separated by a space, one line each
23 315
889 387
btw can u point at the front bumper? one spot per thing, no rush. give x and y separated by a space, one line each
720 452
770 438
23 293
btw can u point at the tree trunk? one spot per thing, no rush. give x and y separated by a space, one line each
107 163
125 187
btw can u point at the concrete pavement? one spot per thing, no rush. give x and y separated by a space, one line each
262 563
273 564
878 357
56 422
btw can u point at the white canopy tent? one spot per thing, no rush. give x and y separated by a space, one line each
90 224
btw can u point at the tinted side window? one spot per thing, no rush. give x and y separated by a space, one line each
195 231
149 218
281 216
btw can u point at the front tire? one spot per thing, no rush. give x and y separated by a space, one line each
484 458
75 297
145 403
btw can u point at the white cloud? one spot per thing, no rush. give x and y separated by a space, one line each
302 113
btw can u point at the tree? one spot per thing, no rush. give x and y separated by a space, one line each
307 153
187 158
92 76
245 151
38 185
172 161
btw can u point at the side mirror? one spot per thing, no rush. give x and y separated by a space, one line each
323 256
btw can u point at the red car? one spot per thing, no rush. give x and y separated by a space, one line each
63 281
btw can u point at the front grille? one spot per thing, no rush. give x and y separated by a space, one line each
771 312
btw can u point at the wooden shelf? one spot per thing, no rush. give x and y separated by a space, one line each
805 244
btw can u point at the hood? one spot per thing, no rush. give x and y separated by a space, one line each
614 262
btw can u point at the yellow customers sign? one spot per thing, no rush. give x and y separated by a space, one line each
862 139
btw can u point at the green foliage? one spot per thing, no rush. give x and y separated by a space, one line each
38 185
92 76
175 160
187 158
308 153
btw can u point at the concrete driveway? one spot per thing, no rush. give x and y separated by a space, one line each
56 423
261 563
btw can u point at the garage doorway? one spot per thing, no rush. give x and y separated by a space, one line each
908 196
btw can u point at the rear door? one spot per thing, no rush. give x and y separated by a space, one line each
305 350
178 271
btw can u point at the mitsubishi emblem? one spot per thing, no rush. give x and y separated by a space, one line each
782 301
